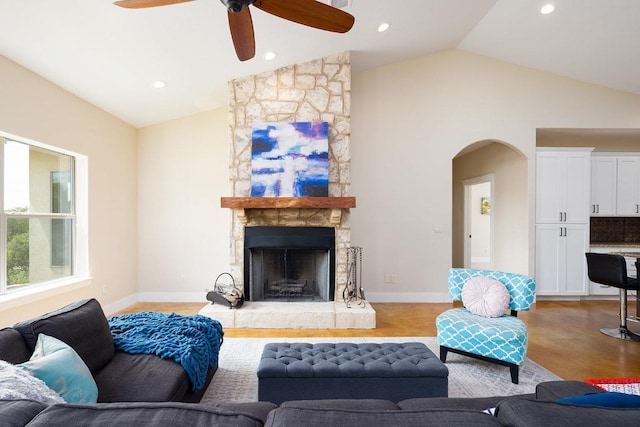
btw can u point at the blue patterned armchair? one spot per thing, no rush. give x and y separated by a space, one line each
502 340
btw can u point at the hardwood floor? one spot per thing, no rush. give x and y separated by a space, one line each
564 336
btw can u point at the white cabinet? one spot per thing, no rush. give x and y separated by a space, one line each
563 196
603 185
628 192
562 186
560 259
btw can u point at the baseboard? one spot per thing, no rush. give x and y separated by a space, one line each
119 305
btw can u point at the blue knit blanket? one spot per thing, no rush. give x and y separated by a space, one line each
192 341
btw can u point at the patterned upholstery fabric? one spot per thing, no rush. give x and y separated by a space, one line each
522 288
503 338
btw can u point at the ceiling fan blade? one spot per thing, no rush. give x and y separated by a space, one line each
241 27
311 13
139 4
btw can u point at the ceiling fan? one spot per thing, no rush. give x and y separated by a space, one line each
311 13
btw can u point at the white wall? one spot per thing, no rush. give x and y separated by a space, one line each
33 108
183 232
410 119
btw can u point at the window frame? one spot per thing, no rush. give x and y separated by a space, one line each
79 235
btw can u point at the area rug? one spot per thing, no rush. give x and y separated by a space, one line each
620 385
236 380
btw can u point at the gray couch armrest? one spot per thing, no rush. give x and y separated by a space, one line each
554 390
13 348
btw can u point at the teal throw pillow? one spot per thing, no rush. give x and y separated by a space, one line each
60 367
607 399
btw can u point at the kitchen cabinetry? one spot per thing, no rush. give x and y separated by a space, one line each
615 185
604 171
560 260
563 196
562 186
628 191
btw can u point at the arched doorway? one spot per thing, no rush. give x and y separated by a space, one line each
509 204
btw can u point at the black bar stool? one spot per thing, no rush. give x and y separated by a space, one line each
611 270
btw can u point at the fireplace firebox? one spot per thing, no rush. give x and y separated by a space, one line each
289 263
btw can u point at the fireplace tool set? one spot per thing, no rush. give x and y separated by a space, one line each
353 291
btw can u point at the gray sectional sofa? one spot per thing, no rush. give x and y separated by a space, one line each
120 377
139 390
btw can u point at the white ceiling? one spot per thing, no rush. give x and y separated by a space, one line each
109 56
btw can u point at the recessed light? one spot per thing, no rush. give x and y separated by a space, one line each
158 84
547 9
383 27
269 56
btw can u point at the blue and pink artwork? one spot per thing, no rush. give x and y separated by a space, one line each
290 159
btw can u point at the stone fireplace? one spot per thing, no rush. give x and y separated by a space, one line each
318 90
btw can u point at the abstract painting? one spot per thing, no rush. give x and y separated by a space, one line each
290 159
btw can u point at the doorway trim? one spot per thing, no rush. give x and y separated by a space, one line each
468 206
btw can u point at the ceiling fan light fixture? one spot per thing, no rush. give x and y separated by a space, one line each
270 56
383 27
547 9
158 84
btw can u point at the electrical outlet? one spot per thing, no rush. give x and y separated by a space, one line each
390 278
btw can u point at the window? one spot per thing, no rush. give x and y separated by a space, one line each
43 236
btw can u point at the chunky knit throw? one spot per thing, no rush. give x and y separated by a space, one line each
192 341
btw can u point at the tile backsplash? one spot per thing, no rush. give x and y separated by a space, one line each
615 230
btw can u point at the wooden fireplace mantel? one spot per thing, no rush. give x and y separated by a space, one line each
336 204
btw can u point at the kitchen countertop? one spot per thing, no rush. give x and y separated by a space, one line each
615 245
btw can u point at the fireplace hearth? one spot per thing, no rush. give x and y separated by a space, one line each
294 264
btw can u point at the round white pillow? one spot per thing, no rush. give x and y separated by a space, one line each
485 297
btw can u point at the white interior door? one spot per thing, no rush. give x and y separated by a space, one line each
478 208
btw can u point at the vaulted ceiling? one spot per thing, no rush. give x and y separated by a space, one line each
110 56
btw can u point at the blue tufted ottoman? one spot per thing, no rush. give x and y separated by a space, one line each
301 371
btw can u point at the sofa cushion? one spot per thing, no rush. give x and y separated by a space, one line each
291 416
141 377
17 413
258 410
17 383
326 404
472 403
82 325
60 367
141 414
13 347
522 412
